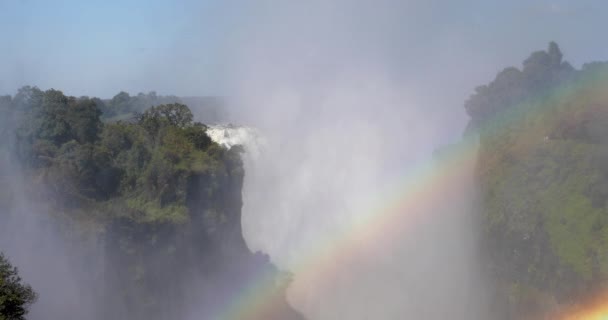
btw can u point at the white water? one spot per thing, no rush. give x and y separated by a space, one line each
232 135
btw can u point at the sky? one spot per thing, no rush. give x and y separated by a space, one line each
437 51
184 47
102 47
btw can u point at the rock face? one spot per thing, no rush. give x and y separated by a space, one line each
194 270
544 188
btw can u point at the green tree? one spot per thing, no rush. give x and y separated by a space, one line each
164 115
84 119
542 71
120 103
15 296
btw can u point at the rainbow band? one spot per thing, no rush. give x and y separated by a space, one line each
424 184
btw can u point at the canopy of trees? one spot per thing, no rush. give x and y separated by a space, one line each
123 105
162 197
143 163
544 183
15 296
542 71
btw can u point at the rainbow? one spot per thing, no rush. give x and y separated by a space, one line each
594 309
402 208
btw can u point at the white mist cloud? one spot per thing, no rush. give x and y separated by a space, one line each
342 121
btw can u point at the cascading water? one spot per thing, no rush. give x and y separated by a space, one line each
232 135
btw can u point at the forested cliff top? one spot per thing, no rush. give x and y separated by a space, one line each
149 205
544 183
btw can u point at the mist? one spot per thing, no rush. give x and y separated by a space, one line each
341 126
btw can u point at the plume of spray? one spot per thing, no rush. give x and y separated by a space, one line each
345 141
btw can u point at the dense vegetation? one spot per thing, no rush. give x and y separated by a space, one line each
15 296
150 186
544 182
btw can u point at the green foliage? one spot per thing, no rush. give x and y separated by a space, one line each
544 180
162 198
145 165
123 106
175 115
148 183
543 70
49 119
15 297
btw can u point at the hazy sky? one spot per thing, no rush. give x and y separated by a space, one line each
185 47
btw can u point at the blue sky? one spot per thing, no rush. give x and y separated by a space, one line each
184 47
95 47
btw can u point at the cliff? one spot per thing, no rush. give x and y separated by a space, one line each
544 184
148 209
